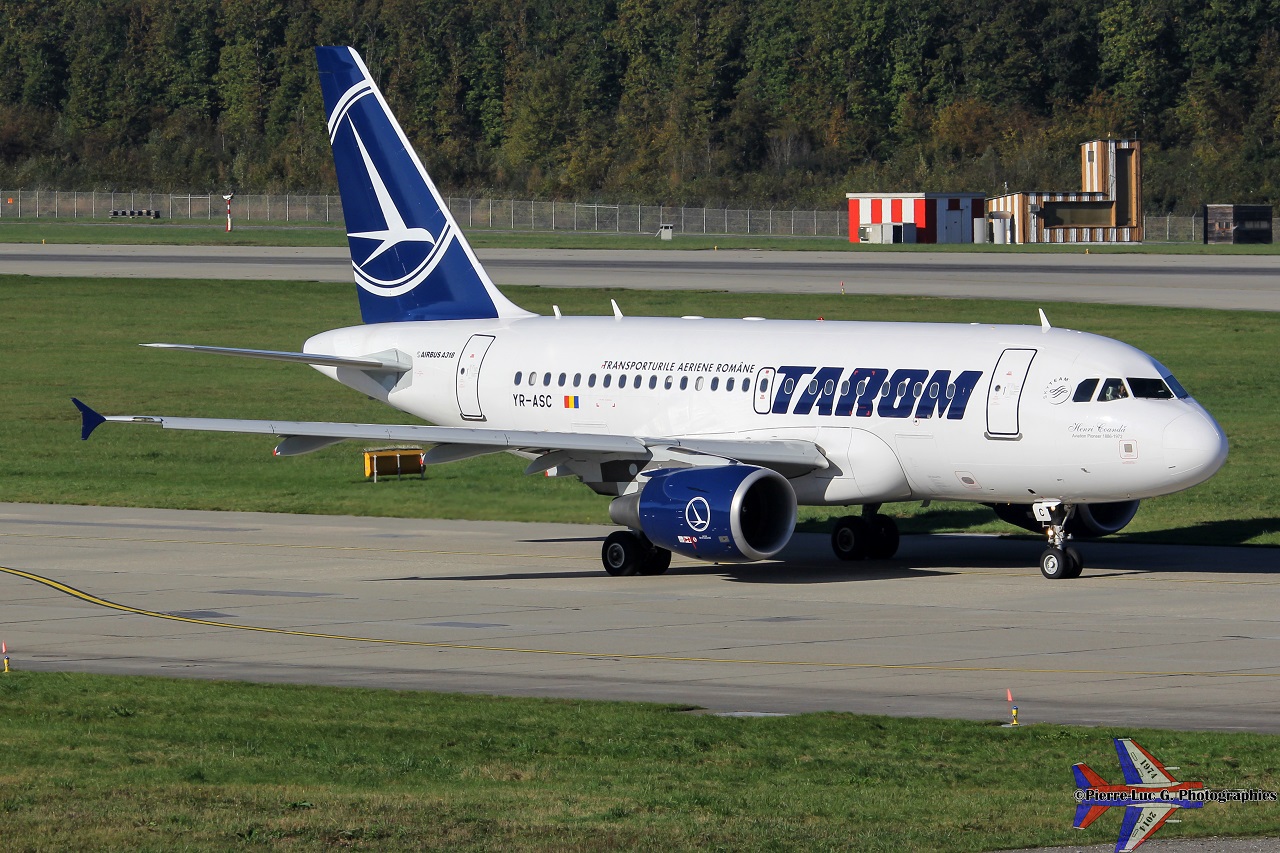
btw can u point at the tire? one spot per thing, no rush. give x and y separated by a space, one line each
884 539
852 537
623 553
1055 564
656 562
1076 563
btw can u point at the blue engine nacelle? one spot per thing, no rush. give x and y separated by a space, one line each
730 513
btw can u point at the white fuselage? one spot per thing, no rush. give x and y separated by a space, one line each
881 400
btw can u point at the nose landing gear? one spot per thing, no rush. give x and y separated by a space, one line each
1058 561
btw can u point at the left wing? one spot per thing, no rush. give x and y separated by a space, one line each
1139 766
460 442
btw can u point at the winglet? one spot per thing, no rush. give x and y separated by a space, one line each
90 419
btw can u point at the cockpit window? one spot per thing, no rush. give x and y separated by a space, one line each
1176 387
1151 389
1084 391
1112 389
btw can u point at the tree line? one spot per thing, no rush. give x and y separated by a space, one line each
771 102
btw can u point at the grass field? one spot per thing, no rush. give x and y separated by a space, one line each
66 337
212 233
109 763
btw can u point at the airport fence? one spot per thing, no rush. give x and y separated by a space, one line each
485 214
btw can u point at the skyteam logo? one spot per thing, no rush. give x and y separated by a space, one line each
396 239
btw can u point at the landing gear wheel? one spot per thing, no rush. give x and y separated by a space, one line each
657 561
852 538
1076 561
884 540
1056 564
624 553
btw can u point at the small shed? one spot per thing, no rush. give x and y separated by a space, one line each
914 217
1237 223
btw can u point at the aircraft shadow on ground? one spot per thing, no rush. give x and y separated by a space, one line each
1223 532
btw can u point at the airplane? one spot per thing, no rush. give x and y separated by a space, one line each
709 433
1149 796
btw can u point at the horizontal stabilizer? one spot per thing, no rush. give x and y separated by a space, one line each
390 362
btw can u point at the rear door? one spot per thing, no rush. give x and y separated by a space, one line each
469 361
1006 392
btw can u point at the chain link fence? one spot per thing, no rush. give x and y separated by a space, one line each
482 214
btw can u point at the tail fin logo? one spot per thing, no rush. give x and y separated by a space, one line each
414 249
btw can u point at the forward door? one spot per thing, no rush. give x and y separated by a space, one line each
1006 392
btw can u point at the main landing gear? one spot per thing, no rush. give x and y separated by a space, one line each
1058 560
870 536
627 553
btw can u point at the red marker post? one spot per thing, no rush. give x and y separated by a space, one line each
228 198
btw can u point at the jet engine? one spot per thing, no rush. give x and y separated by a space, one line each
1089 521
728 513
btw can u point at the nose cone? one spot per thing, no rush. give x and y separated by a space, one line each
1194 448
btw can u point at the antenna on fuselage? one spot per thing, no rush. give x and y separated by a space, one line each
1044 321
617 312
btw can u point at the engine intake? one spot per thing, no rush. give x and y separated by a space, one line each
1089 521
729 513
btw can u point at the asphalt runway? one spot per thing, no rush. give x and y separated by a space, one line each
1151 635
1239 282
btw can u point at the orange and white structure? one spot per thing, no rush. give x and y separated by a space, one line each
914 217
1108 208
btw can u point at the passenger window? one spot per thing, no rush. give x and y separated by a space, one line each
622 381
764 385
519 376
635 383
1112 389
789 386
697 384
715 382
577 379
607 380
1084 391
728 384
666 383
591 381
746 385
844 388
653 382
684 382
1151 389
533 377
546 379
813 387
562 379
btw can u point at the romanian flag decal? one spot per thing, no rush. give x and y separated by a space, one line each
571 402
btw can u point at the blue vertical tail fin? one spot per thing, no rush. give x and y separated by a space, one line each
409 257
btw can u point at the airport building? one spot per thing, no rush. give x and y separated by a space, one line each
1108 208
915 217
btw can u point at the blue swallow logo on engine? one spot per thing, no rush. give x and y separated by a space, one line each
697 514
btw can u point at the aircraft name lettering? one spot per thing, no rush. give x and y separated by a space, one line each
532 401
679 366
864 391
436 354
